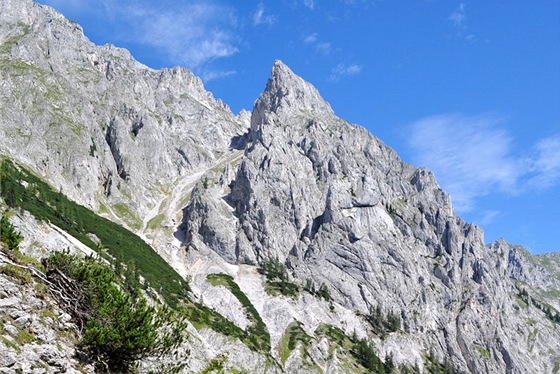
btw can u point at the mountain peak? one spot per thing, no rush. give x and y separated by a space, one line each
286 91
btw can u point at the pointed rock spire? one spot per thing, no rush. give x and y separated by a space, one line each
287 91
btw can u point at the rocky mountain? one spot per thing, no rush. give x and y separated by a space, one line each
287 220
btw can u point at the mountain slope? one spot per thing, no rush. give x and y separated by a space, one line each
305 231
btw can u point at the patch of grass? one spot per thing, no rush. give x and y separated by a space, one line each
155 222
41 290
433 365
257 337
48 313
10 344
203 317
22 189
482 351
294 333
335 335
532 338
24 337
556 367
27 260
124 213
16 273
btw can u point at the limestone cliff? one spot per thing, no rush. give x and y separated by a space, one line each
357 236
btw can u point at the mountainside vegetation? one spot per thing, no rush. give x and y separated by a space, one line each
23 190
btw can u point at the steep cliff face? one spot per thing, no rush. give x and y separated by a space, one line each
340 208
359 234
98 124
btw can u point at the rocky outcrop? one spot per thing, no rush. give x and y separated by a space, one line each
35 335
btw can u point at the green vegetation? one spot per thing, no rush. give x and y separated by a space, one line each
550 312
24 337
483 351
277 280
294 334
216 365
366 356
17 273
362 351
8 234
322 293
556 367
156 222
383 324
118 328
434 366
21 189
124 213
256 337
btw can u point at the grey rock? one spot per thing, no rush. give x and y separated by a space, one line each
8 357
11 329
23 321
288 181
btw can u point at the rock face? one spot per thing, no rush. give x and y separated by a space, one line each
219 193
35 336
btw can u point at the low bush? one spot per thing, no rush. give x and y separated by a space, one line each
118 329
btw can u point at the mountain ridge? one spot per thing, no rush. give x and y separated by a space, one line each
216 193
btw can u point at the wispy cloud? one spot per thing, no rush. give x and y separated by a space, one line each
470 156
459 20
324 48
546 163
344 70
192 35
311 38
208 75
473 156
488 216
459 16
260 17
309 3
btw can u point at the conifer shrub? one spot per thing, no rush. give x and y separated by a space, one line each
118 328
8 234
277 280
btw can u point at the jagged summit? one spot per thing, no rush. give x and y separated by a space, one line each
286 99
285 91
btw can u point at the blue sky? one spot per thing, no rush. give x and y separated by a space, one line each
469 89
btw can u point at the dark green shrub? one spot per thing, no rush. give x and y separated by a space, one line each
8 234
118 329
277 280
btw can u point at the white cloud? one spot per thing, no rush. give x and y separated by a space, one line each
459 20
309 3
488 216
324 48
210 75
459 16
260 17
311 38
344 70
191 35
470 156
546 163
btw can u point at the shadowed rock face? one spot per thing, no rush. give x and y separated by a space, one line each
214 192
